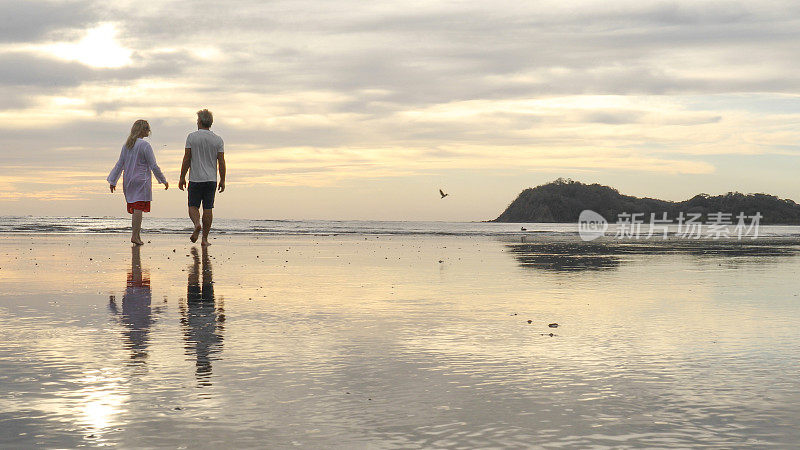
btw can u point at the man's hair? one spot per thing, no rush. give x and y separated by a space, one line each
205 117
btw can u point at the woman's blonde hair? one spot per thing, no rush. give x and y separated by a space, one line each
139 129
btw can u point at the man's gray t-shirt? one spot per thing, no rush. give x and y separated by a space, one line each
205 146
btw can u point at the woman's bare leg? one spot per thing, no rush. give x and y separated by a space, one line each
136 227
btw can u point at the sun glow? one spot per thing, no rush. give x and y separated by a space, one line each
98 48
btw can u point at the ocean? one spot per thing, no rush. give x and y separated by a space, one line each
223 226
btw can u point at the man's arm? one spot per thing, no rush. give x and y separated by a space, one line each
187 161
222 170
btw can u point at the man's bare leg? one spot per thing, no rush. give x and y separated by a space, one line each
194 214
136 227
208 216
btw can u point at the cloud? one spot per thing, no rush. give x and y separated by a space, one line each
19 69
33 20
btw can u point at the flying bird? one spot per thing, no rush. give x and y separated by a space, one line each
441 192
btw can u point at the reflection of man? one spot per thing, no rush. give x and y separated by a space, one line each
202 320
136 301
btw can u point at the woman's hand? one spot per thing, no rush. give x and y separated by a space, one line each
166 185
112 187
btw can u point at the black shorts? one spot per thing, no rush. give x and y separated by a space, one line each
202 192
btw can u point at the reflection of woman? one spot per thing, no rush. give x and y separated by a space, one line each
202 319
137 161
136 314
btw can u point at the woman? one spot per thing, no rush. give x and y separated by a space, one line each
137 161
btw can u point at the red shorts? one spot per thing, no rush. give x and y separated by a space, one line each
141 206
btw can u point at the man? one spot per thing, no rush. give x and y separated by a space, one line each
204 153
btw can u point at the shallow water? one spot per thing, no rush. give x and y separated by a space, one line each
371 341
86 225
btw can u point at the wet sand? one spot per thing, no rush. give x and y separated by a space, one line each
412 342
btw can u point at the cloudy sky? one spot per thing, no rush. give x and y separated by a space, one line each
362 110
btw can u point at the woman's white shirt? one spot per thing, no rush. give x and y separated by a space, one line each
137 163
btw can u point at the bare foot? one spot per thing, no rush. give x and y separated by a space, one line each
196 233
137 241
205 243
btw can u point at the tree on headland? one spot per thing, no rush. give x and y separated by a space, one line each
563 200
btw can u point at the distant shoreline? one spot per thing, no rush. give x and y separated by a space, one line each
563 200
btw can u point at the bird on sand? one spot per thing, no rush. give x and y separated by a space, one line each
441 192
